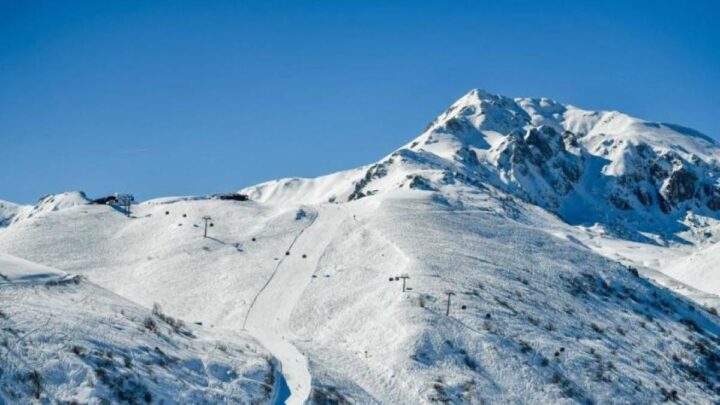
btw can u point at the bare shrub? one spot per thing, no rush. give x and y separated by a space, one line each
177 325
150 324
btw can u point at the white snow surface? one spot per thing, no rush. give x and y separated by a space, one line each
16 270
65 340
700 269
342 331
528 211
9 212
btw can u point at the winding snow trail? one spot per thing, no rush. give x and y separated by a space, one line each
268 318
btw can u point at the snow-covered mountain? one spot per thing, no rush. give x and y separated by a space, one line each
506 216
587 166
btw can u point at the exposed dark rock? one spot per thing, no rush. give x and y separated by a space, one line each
619 202
680 186
714 202
467 156
545 140
376 171
420 183
570 139
657 172
644 197
453 125
662 202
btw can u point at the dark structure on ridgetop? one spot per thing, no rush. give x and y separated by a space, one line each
231 196
124 201
108 200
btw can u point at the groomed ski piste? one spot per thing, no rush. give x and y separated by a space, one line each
304 281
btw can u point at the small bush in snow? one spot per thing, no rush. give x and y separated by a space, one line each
269 378
471 363
441 395
691 324
177 325
468 387
556 378
35 382
487 325
505 304
669 395
525 347
150 324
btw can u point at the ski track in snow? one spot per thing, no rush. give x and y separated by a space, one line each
268 317
277 267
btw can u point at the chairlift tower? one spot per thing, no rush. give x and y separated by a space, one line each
404 277
125 201
449 294
207 219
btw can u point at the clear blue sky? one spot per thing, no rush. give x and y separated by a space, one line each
174 98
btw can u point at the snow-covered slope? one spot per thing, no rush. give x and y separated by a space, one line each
9 211
57 202
700 269
506 216
65 340
342 331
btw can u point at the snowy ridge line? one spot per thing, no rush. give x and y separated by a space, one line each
277 266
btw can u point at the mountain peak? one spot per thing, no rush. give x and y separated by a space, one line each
623 171
478 98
